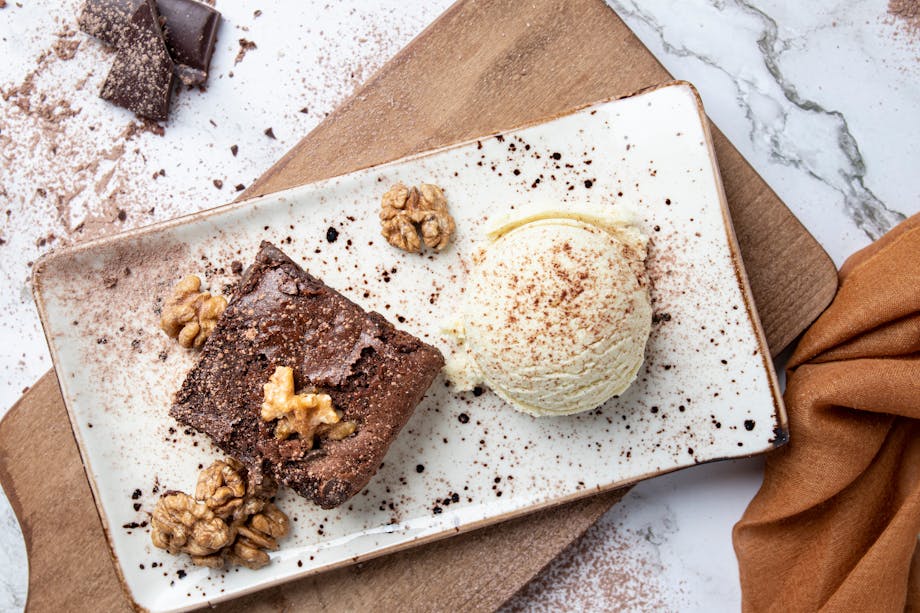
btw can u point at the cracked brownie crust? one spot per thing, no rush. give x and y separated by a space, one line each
281 315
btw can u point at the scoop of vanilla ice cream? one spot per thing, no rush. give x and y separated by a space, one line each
556 313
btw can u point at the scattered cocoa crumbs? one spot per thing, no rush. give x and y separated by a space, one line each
660 317
218 184
65 49
239 187
907 14
305 110
626 575
245 47
140 126
234 149
270 133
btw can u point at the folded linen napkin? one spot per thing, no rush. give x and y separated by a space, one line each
835 524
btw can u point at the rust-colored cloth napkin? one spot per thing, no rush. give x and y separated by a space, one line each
834 526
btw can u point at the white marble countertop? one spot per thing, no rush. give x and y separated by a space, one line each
823 98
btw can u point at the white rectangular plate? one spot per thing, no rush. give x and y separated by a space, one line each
706 392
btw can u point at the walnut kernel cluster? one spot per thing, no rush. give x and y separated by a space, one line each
190 314
229 521
308 415
410 216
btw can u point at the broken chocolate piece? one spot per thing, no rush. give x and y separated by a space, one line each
191 31
141 77
107 20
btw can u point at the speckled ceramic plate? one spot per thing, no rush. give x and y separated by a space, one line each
707 390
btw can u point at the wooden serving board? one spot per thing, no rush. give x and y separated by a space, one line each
483 66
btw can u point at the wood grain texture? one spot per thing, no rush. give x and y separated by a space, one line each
483 66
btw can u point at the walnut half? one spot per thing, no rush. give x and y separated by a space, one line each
259 533
302 414
410 216
184 525
221 487
189 314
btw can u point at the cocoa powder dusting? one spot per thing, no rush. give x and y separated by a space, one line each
604 570
907 14
70 162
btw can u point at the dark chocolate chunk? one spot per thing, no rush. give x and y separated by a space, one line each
141 77
281 315
190 29
107 20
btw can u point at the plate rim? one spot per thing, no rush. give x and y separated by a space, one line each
47 260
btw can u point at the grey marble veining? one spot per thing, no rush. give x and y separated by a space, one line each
13 564
842 168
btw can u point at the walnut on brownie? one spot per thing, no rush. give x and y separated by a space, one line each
282 317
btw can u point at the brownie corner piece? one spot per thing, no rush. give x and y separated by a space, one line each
281 315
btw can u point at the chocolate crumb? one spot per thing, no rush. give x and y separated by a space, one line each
420 468
270 133
332 234
218 184
236 267
239 187
749 424
122 215
136 494
180 573
304 110
463 418
234 150
245 47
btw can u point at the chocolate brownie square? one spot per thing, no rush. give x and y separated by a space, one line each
280 315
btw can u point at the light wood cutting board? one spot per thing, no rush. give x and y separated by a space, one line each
483 66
